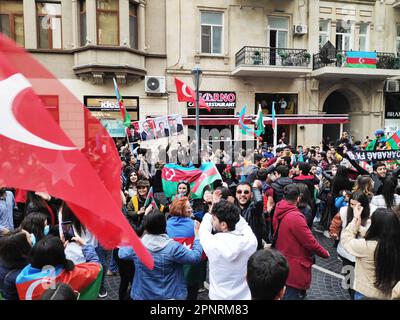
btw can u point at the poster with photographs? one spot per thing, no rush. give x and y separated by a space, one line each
147 130
162 127
175 124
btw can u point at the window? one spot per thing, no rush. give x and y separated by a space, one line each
51 105
107 22
398 38
278 32
211 32
343 36
363 40
133 25
12 20
49 25
82 18
323 32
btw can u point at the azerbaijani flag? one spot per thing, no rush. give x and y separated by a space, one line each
125 115
361 59
150 199
85 278
243 128
181 229
393 143
259 122
198 178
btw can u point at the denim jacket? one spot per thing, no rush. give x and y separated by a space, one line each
166 280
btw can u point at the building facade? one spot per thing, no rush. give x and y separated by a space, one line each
290 53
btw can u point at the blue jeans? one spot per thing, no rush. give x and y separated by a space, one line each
113 264
358 296
103 261
293 294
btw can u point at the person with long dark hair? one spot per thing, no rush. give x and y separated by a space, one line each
14 253
341 181
388 199
305 203
346 216
40 202
37 224
377 268
83 277
364 183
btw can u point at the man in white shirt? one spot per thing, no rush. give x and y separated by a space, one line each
228 251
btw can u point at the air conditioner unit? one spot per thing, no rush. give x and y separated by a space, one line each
392 86
300 29
154 84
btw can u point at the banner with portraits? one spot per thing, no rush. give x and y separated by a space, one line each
160 127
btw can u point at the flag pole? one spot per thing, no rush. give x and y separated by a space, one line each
275 126
116 94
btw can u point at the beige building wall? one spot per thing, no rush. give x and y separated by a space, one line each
169 44
246 24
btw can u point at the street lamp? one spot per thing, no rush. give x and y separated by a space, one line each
196 74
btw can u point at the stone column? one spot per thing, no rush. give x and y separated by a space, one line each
124 22
91 23
333 33
75 24
30 23
142 26
313 26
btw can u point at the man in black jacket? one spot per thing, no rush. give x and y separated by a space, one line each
282 179
251 205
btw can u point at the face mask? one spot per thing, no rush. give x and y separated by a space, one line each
46 230
33 239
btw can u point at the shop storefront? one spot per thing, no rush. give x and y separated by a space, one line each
392 113
106 110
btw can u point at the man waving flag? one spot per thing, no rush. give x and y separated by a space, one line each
37 154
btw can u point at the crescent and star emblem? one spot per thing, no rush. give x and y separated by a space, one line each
184 91
10 88
169 174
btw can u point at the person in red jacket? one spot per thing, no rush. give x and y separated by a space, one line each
295 241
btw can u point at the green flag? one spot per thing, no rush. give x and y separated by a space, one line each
259 123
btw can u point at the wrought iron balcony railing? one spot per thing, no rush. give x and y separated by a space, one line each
268 56
336 58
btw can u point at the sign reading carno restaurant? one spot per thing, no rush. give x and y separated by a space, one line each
218 99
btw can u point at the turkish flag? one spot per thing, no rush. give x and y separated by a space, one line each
77 162
187 94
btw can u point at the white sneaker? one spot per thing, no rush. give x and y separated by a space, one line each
317 219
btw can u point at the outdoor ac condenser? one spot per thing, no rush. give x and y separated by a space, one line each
154 84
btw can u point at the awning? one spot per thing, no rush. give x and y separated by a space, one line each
299 119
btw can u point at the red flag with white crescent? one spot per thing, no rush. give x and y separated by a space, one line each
37 154
187 94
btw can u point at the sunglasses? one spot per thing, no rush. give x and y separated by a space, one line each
141 188
243 191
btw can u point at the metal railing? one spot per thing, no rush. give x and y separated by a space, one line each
336 58
268 56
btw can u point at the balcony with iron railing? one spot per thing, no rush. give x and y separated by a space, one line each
333 64
265 61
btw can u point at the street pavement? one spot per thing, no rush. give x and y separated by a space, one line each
326 277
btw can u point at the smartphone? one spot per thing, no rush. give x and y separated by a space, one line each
68 230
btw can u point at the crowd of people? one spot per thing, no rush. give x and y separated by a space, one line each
251 232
